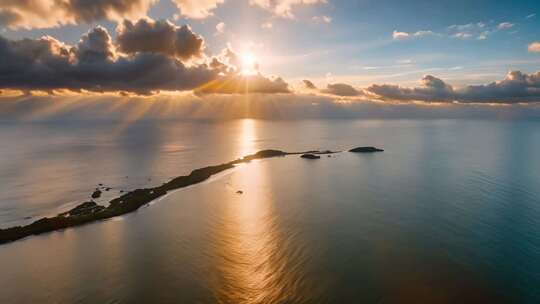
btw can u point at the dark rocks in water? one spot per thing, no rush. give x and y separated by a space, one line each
85 208
310 156
96 193
261 154
121 191
100 184
108 189
366 150
239 192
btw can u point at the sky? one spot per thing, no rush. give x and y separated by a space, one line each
389 51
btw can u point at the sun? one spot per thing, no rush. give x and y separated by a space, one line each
249 64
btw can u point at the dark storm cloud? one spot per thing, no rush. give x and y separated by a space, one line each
47 64
515 87
341 89
159 37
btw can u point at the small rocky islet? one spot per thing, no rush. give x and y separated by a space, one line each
366 150
310 156
90 211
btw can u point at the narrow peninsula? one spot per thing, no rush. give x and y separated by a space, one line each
130 201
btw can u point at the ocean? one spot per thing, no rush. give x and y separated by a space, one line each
448 213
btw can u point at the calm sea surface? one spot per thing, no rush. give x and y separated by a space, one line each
449 213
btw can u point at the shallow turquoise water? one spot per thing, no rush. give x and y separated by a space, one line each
449 213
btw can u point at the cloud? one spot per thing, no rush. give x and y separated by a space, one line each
220 28
228 61
197 9
267 25
309 85
534 47
505 26
424 33
283 8
322 19
464 35
147 56
530 16
516 87
162 37
398 35
341 89
47 64
50 13
478 30
433 89
240 84
95 46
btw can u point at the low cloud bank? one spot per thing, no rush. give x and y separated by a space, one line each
516 87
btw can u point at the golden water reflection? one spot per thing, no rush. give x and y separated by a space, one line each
253 257
247 137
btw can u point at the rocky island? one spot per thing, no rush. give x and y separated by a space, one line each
310 156
366 150
90 211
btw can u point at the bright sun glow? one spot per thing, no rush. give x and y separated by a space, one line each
249 64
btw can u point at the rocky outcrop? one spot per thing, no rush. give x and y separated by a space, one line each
96 194
310 156
366 150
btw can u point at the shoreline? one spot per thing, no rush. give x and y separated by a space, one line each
131 201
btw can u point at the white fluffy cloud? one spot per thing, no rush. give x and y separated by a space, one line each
283 8
220 28
398 35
